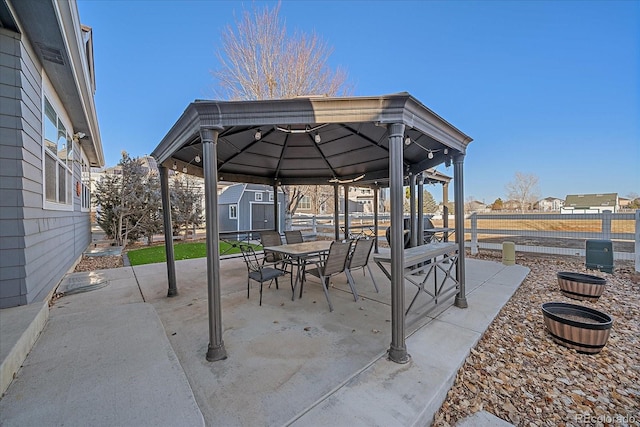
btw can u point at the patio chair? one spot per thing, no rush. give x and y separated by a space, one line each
271 238
293 236
334 263
258 271
359 258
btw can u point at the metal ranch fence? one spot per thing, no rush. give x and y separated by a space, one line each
544 233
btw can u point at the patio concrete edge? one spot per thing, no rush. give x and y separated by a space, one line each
23 345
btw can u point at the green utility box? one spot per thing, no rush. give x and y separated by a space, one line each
599 255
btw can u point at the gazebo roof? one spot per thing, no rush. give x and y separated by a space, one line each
310 140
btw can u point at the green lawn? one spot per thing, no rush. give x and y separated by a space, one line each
181 250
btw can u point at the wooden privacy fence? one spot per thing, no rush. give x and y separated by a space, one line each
561 234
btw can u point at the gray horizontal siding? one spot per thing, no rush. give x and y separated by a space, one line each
12 272
38 246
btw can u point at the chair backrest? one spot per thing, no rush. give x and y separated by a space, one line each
337 259
361 252
407 237
271 238
293 236
427 236
250 257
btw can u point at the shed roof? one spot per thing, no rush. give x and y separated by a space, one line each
233 193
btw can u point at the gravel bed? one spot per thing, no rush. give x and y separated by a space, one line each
91 263
518 373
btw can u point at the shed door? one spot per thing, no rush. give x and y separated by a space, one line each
262 217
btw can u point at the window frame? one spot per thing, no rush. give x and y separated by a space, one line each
62 158
258 197
305 203
233 211
85 183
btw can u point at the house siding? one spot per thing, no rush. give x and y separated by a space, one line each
12 260
37 246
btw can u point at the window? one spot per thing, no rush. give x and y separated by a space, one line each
58 156
233 211
258 197
271 197
85 185
305 203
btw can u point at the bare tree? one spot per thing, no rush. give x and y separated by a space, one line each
524 190
129 201
186 203
294 195
258 60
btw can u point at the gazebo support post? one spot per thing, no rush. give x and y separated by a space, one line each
209 137
276 213
445 208
346 211
458 188
168 231
420 226
375 217
412 210
398 349
336 211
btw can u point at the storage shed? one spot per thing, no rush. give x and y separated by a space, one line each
244 207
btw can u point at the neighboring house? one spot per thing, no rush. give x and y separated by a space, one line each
511 205
243 207
549 204
624 202
475 206
362 196
50 140
591 203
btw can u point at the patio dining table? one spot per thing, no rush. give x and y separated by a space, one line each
299 253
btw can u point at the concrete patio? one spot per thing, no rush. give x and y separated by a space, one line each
125 354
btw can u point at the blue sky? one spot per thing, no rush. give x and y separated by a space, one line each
549 88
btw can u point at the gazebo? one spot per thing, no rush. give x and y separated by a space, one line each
312 140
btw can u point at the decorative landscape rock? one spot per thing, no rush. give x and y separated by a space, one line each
518 373
581 286
574 326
